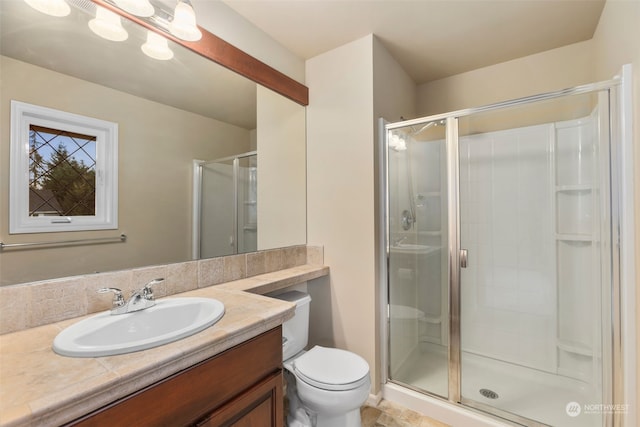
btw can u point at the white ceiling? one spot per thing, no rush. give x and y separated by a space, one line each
431 39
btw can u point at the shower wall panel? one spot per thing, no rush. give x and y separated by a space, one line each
507 226
578 248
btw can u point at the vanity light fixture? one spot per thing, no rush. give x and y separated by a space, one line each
183 25
107 25
156 47
50 7
136 7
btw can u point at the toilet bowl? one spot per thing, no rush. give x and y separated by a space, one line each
325 386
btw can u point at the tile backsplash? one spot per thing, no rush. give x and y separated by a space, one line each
37 303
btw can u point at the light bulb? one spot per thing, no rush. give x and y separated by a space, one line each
157 47
183 24
50 7
108 26
136 7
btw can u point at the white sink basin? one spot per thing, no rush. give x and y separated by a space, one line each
169 320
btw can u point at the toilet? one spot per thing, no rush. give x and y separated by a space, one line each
325 386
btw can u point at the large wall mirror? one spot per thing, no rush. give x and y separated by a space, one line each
173 116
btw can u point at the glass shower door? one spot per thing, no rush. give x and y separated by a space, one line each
418 253
502 258
533 296
217 223
228 204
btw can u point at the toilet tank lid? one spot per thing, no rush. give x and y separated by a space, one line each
299 297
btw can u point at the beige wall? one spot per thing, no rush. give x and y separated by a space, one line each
555 69
340 197
350 88
281 171
156 146
394 92
617 42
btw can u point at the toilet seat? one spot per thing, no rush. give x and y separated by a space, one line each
331 369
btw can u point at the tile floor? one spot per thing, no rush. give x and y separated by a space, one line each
388 414
385 414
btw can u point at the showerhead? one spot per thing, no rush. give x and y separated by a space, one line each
427 126
399 137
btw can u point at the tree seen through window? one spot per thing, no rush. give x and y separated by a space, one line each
62 173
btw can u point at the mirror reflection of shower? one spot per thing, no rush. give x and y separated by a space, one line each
225 206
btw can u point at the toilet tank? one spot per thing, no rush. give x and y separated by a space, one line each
295 331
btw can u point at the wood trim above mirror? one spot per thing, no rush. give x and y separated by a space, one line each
221 52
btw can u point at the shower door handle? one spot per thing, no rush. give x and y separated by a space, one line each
463 258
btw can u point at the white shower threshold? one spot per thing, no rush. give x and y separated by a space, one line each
527 392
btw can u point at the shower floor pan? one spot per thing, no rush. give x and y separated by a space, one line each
523 391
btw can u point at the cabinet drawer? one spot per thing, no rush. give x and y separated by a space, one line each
187 396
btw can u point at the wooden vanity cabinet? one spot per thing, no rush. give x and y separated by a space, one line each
239 387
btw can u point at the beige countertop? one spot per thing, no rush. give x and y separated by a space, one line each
40 387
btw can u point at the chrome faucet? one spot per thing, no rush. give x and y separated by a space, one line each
140 299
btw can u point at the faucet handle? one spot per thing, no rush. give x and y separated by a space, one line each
147 292
118 299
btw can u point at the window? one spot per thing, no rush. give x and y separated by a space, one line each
63 171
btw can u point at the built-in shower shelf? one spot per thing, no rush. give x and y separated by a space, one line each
575 347
250 202
250 227
574 188
575 237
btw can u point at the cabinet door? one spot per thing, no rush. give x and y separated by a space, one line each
261 406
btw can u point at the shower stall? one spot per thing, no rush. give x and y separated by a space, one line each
225 207
501 258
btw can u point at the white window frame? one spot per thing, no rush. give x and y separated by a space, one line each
106 216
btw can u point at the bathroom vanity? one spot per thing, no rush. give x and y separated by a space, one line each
229 373
241 386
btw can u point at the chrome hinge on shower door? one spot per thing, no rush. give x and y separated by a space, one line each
463 258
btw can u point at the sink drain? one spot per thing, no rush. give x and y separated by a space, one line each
489 394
